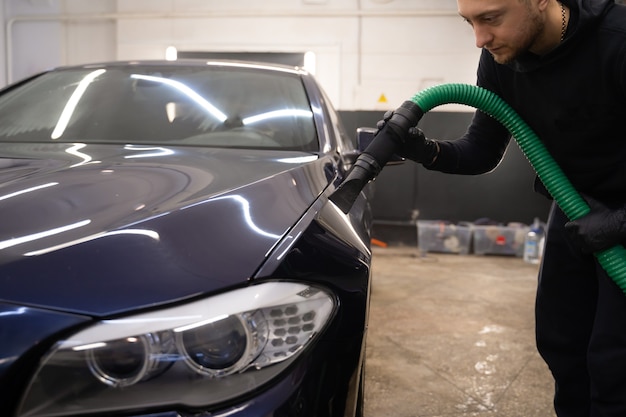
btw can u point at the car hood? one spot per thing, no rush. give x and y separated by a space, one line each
103 229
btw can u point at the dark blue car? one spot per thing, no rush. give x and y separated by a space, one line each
168 248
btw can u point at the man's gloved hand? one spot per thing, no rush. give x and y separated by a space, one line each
414 144
599 229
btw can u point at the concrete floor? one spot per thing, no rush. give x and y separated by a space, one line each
453 335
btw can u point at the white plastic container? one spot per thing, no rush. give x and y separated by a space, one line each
534 242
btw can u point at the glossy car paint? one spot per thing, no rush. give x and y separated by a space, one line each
100 231
158 214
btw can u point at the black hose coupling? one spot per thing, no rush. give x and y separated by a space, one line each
403 118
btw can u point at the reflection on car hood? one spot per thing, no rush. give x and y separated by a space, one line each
101 229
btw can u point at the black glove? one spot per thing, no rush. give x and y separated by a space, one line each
599 229
414 144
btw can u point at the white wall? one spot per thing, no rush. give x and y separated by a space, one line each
371 54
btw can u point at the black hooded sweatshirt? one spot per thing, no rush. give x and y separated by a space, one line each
573 98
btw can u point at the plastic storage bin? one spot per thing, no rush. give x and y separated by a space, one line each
500 239
443 237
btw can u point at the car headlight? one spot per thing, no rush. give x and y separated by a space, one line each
196 354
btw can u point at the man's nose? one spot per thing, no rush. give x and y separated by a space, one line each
483 36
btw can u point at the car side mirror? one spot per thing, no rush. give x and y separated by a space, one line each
365 135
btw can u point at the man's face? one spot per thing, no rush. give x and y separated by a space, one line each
506 28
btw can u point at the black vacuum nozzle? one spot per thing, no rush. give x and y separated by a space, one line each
369 164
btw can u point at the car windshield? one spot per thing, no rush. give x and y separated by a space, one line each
221 106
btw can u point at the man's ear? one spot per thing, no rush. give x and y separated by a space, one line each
542 5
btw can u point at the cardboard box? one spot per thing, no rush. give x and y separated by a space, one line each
443 237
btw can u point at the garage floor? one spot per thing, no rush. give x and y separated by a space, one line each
453 335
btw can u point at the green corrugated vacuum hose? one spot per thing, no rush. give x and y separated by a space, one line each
613 260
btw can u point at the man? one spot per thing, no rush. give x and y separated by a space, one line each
562 67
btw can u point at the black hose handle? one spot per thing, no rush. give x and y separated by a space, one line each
369 164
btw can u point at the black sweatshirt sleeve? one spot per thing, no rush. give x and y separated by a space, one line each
479 151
